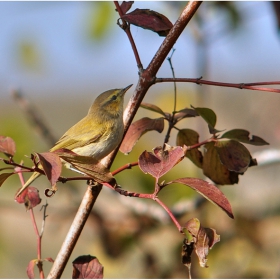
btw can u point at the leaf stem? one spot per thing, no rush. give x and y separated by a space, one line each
126 27
124 167
169 213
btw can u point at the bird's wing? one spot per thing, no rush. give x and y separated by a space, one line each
79 135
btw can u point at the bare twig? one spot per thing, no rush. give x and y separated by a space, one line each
35 117
125 26
171 121
199 81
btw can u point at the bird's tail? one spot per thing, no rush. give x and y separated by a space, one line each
28 182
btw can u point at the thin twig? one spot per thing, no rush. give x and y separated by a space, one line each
35 117
171 121
126 27
126 166
169 213
199 81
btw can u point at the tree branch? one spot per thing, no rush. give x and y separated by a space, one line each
199 81
146 79
74 231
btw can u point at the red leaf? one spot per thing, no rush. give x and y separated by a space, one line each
30 197
209 191
30 269
7 146
126 5
161 161
87 165
87 267
52 166
149 19
137 129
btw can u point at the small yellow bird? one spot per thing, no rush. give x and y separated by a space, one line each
98 133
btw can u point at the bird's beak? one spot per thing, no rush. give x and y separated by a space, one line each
124 90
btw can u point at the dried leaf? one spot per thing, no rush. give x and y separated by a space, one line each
51 165
87 165
190 137
149 19
242 135
203 238
126 5
152 107
4 177
30 269
137 129
209 191
187 250
161 161
87 267
233 155
30 197
214 169
7 146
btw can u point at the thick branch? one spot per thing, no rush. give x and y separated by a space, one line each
75 231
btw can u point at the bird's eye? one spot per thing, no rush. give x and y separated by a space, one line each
114 97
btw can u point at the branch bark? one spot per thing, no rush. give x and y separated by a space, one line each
74 231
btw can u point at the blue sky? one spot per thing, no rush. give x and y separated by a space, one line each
57 30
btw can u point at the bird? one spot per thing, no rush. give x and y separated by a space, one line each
97 134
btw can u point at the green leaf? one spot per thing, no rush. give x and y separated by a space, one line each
209 116
242 135
190 137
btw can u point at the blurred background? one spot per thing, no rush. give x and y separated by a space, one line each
60 55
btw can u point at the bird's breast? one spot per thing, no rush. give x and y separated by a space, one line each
105 144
